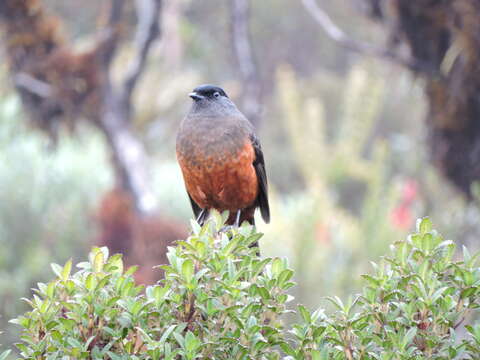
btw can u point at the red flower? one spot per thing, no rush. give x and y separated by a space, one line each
401 216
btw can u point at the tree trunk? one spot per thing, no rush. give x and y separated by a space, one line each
251 98
59 87
444 37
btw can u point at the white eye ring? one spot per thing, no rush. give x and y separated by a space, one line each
216 94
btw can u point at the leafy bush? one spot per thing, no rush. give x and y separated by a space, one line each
219 300
46 200
411 308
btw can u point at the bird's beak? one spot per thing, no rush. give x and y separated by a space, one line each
195 96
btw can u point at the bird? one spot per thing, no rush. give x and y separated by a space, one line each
221 159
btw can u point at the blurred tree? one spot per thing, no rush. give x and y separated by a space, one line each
123 231
444 50
61 87
247 66
171 37
336 216
45 201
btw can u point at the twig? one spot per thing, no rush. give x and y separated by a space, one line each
339 36
459 323
241 39
148 29
129 155
242 47
33 85
109 35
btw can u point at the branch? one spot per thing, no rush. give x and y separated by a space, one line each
242 47
241 43
337 34
32 85
109 35
129 155
148 29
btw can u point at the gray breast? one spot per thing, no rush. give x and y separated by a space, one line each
211 138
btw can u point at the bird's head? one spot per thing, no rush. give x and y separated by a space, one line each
208 93
211 100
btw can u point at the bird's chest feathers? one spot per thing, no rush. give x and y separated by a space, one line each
212 141
217 162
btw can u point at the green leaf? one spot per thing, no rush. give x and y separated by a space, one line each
180 339
188 269
158 293
284 276
191 342
424 226
316 355
57 269
253 238
305 314
4 355
287 349
371 280
337 302
408 338
66 270
131 270
22 347
195 227
91 282
50 291
116 263
166 334
98 261
277 266
468 292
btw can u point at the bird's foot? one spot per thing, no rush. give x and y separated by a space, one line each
227 228
237 218
202 217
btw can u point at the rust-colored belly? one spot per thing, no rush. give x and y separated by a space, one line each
222 183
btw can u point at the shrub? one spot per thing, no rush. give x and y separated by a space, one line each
46 199
412 307
219 300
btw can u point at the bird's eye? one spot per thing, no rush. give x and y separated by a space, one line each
216 94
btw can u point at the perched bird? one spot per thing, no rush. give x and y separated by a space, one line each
221 159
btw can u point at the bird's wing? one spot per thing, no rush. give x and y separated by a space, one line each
259 165
196 209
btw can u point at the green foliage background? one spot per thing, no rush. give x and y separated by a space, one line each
342 136
220 300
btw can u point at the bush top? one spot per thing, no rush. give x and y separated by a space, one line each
220 300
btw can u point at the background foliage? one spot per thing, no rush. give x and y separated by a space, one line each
220 300
342 134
